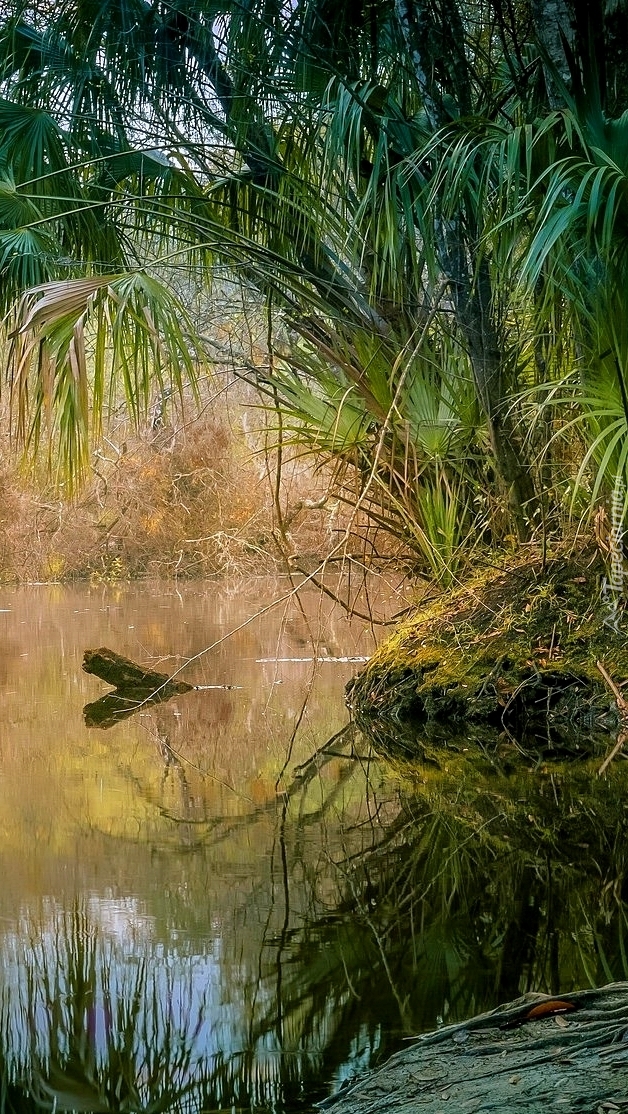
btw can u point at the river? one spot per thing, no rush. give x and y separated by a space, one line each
210 905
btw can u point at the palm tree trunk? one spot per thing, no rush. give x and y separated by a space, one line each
554 28
468 275
476 320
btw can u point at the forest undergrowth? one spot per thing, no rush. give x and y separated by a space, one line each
187 496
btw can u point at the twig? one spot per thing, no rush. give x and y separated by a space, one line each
622 705
621 739
622 708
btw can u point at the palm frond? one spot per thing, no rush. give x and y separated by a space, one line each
74 341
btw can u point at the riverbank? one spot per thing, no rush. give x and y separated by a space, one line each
519 645
535 1054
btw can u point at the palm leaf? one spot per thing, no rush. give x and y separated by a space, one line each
60 339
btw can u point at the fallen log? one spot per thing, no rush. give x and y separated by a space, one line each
134 688
122 673
568 1052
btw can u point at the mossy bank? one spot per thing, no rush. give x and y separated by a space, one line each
518 646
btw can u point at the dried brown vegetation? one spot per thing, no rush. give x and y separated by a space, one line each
188 496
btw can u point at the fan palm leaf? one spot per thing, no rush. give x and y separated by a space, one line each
357 190
129 327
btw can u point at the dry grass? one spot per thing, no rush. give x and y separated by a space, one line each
188 496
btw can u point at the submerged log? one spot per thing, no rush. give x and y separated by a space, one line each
539 1053
134 688
122 673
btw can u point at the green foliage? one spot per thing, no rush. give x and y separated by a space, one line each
406 425
403 193
445 530
129 327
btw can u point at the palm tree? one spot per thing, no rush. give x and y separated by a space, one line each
341 160
559 228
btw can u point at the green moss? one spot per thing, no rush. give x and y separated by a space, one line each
515 644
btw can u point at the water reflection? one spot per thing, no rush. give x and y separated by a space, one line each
146 898
112 1005
439 899
178 934
488 881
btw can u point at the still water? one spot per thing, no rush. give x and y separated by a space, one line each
211 906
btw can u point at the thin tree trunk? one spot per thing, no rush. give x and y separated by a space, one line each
553 26
469 277
487 361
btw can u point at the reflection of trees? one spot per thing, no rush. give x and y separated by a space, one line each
197 822
452 889
81 1032
89 1025
485 884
